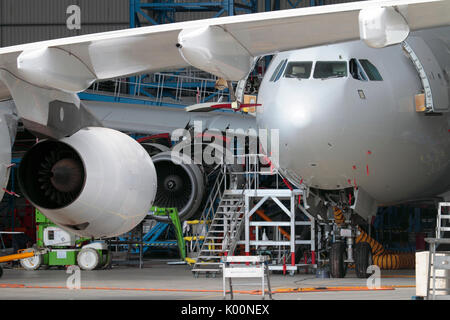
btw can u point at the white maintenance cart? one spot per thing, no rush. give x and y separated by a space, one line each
245 267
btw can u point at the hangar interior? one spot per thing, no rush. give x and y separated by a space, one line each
245 209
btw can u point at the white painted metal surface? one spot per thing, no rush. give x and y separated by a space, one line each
246 267
55 236
31 101
62 70
119 188
422 273
97 246
381 27
216 51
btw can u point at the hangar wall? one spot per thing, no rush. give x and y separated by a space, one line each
23 21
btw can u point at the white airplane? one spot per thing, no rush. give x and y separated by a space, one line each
345 110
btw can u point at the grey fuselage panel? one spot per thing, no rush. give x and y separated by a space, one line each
342 132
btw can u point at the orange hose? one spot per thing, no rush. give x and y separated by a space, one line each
253 292
17 256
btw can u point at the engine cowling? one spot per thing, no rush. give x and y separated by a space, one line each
97 183
181 184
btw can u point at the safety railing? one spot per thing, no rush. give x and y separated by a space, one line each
211 205
184 88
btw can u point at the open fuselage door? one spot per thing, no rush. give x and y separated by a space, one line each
435 96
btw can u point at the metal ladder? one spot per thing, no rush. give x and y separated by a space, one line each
439 261
223 234
443 221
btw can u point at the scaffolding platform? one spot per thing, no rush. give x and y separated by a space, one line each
232 224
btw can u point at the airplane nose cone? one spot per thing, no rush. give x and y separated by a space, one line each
308 122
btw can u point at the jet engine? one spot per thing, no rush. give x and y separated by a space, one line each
181 184
97 183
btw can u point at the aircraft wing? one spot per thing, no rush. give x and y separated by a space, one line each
37 74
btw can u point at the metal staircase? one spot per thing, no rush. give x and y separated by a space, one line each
223 234
229 211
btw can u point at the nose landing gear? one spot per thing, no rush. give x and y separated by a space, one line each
343 251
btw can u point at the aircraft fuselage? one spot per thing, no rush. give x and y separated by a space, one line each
340 132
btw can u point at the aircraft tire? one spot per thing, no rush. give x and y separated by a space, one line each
363 259
338 268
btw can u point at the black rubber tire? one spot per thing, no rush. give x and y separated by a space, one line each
108 262
1 272
338 268
363 259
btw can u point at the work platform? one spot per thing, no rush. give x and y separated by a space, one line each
234 223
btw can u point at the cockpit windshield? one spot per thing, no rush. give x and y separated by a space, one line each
330 69
298 69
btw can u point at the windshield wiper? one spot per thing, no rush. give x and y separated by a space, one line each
292 76
331 77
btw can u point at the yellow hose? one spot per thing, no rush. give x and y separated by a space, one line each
386 260
377 248
338 216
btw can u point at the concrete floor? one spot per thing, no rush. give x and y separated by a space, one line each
158 280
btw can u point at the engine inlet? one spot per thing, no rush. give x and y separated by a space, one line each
51 174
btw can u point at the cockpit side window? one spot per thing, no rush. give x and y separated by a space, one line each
330 69
281 71
371 70
298 69
356 70
279 68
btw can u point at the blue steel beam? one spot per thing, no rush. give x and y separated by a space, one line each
165 12
162 8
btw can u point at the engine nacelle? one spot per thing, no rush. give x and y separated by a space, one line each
181 184
97 183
